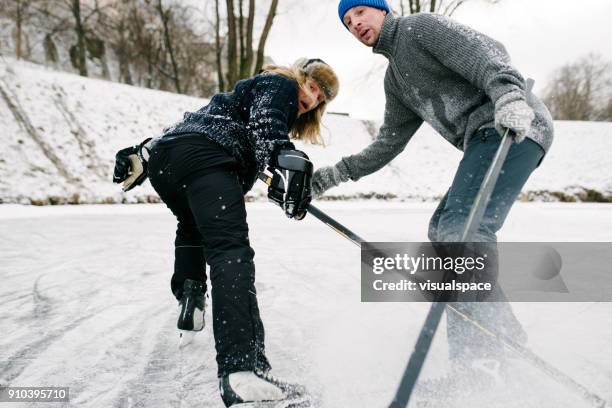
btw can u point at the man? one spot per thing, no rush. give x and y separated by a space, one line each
462 83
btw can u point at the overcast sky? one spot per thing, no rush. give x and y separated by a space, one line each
540 35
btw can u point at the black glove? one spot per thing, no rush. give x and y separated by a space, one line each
291 182
131 165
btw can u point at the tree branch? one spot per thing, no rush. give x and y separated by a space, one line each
264 35
164 17
452 7
232 69
248 64
218 48
241 35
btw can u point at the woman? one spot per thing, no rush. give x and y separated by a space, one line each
201 168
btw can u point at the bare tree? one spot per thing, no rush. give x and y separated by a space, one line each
606 112
241 32
62 16
79 29
247 62
161 44
21 6
232 66
114 25
218 48
444 7
144 45
157 46
165 16
264 35
581 90
19 11
242 60
72 15
51 53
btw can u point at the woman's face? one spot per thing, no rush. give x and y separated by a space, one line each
310 96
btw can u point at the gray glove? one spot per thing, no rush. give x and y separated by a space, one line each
327 177
516 116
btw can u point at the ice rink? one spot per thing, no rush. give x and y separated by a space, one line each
85 303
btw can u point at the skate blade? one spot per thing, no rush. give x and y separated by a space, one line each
297 402
186 337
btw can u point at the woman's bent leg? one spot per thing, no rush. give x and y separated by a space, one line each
217 203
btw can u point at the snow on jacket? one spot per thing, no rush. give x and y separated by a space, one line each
448 75
249 123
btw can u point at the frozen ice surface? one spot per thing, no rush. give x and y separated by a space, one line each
85 303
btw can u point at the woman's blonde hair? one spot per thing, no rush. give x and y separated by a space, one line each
307 126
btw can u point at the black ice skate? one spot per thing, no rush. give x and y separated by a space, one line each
192 306
261 390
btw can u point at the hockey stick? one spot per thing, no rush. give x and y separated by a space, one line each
326 219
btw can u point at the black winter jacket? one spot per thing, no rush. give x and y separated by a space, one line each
250 122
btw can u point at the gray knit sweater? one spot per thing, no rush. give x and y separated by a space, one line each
448 75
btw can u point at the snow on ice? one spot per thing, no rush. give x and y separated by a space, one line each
86 304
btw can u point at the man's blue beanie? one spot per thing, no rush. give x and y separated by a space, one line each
346 5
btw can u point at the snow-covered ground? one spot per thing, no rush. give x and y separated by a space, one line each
85 303
61 131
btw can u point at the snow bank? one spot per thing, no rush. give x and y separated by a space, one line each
61 132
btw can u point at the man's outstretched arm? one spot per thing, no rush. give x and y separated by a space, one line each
400 124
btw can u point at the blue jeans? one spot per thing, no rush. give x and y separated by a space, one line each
448 220
450 217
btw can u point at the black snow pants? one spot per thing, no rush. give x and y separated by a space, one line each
212 227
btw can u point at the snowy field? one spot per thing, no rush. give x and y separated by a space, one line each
85 303
61 132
